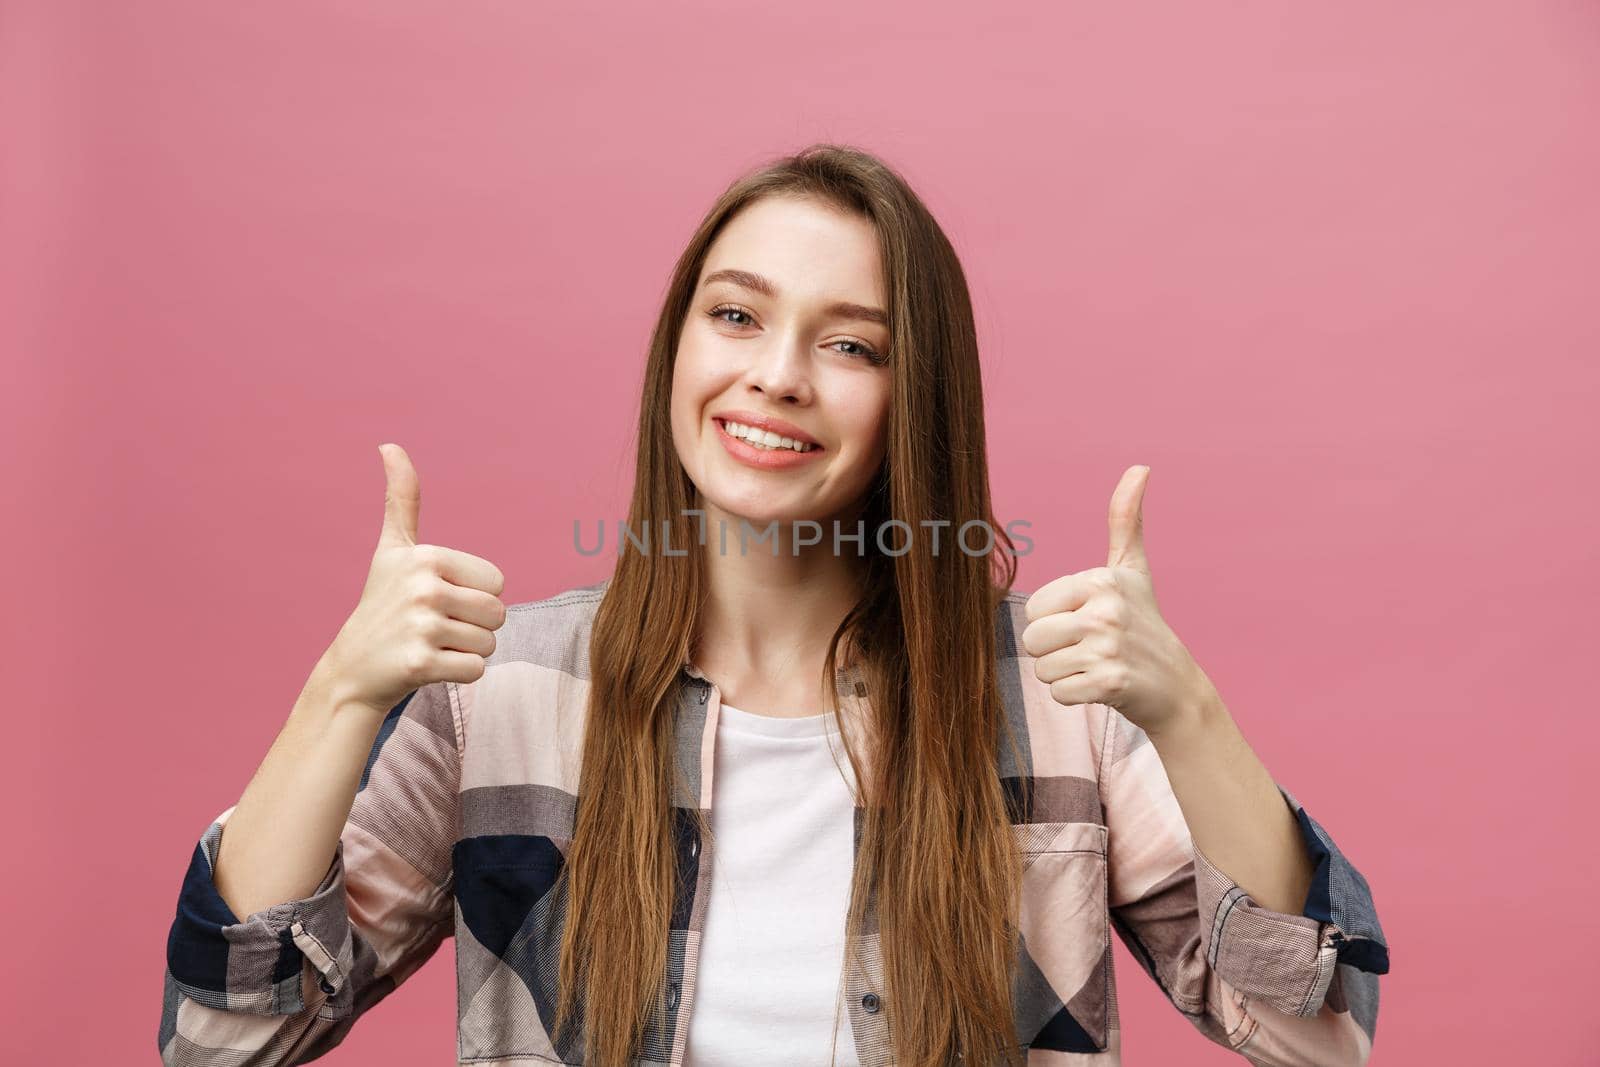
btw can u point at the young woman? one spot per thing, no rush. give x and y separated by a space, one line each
803 781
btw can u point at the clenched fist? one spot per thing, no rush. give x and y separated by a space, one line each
1098 636
427 614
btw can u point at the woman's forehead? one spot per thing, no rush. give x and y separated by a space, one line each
799 250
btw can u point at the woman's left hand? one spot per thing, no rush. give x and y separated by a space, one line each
1099 638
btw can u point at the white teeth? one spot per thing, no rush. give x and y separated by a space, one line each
764 438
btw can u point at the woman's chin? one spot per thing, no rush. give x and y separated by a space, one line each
758 515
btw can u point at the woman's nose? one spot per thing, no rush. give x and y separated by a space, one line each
782 370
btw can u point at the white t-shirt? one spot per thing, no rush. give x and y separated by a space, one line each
773 944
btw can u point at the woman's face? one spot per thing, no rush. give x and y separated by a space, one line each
786 332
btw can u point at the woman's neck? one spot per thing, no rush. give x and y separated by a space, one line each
769 618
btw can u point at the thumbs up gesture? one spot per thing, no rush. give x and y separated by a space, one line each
1098 637
426 614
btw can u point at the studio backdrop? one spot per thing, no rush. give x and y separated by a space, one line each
1330 271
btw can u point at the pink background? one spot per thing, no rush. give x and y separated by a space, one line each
1329 269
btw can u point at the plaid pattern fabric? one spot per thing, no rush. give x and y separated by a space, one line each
466 809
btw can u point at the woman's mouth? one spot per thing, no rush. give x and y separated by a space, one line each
761 438
762 448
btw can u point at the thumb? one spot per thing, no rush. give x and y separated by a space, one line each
1127 521
402 497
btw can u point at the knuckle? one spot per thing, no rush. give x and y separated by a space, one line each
428 592
415 658
422 623
439 626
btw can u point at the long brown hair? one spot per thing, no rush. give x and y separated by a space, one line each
936 868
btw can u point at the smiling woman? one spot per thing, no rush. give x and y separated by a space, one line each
635 818
798 351
815 363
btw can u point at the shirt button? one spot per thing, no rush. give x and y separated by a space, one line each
324 985
672 995
870 1002
694 848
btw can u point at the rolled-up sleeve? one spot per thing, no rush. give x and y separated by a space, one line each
255 964
1288 962
1283 990
285 984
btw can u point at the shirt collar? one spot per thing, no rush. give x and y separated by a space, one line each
849 679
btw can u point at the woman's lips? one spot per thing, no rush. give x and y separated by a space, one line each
763 458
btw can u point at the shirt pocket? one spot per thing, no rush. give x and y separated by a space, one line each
509 907
1065 994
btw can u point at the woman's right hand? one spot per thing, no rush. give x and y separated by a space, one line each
427 614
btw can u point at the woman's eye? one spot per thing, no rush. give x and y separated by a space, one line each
729 309
864 350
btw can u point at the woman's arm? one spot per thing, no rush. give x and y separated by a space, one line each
1229 894
1231 803
1293 986
285 982
283 831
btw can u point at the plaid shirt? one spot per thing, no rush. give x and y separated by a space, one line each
466 807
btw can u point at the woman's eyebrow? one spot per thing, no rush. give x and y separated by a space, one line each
761 284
